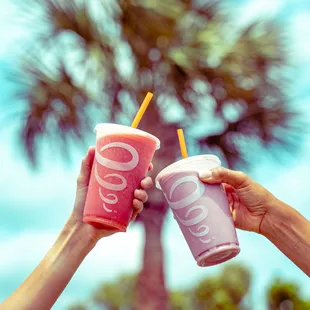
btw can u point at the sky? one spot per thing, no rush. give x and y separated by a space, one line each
35 205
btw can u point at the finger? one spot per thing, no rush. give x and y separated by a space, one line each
235 197
137 205
141 195
147 183
150 167
231 208
137 208
230 202
234 216
237 210
236 179
235 206
228 188
86 166
230 198
236 201
133 217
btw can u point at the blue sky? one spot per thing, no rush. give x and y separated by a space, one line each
34 206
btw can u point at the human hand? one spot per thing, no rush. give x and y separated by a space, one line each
249 201
81 193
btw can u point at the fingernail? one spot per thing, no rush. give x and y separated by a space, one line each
205 174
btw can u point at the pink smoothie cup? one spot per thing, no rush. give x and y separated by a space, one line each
200 209
123 155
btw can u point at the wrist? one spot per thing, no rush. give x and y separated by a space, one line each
80 234
274 218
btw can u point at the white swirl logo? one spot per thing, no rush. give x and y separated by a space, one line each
202 230
114 165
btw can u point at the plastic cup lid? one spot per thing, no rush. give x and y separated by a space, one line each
115 128
187 164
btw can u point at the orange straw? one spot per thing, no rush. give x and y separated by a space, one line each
182 143
142 109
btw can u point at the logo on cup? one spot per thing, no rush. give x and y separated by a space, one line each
112 199
202 230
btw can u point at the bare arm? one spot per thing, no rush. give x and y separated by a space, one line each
43 287
255 209
289 231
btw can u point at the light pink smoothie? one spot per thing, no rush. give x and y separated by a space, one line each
123 155
201 210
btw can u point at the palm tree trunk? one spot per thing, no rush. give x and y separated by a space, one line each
151 287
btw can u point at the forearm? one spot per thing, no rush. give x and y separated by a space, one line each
43 287
289 231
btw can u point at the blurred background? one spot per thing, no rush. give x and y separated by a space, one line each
234 74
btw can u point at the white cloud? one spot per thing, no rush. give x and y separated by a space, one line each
300 25
122 253
20 186
259 8
10 30
112 256
21 189
288 180
257 253
120 250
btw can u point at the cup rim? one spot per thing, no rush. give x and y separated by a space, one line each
183 165
126 129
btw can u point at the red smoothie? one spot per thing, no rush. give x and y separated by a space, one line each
123 155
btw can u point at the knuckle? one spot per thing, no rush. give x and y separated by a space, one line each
139 206
243 179
220 172
242 174
80 180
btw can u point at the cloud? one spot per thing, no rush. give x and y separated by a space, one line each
34 200
288 181
263 259
34 206
259 254
16 31
300 23
31 221
115 255
263 8
122 253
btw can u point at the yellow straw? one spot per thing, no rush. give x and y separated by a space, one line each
142 109
182 143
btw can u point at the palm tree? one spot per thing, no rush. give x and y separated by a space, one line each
77 307
223 84
225 291
117 294
285 295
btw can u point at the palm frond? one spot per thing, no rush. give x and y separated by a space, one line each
54 104
277 127
237 70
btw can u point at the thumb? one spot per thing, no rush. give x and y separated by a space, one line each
236 179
